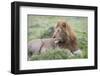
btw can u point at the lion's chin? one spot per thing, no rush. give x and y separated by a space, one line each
56 41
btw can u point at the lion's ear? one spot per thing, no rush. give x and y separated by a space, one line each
64 25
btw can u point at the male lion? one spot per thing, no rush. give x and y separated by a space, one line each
63 37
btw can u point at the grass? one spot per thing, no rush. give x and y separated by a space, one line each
55 54
42 27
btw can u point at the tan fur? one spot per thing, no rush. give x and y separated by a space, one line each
38 46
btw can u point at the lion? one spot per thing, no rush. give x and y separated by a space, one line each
38 46
63 37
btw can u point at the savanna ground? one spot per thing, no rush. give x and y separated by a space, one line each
42 27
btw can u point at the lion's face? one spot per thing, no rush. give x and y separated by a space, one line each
59 34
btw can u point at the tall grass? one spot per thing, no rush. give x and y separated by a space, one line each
55 54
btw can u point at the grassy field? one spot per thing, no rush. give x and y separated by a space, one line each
42 26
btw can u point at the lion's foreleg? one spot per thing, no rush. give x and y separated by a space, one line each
78 53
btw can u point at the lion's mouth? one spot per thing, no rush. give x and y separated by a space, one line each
59 41
56 41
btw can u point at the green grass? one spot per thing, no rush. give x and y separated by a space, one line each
55 54
42 27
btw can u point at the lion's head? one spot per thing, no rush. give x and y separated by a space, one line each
65 36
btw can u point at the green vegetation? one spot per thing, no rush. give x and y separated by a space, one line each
54 54
42 27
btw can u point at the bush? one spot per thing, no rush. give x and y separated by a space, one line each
82 41
47 33
53 54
